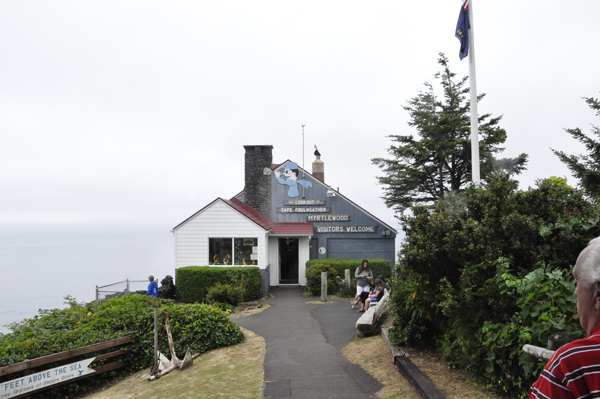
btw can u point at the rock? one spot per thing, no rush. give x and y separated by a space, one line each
167 289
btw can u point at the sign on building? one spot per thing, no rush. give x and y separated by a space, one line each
311 209
304 202
346 229
327 218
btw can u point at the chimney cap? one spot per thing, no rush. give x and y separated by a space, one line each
258 146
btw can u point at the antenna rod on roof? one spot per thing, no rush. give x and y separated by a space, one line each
303 174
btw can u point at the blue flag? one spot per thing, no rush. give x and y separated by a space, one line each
462 30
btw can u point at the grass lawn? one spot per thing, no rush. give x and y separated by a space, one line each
231 372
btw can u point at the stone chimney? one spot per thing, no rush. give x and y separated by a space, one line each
257 192
318 167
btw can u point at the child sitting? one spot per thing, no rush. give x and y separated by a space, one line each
385 284
374 295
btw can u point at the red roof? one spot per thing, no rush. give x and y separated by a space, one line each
268 224
250 213
292 229
261 220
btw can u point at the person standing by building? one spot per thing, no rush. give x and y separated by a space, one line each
574 369
363 275
152 287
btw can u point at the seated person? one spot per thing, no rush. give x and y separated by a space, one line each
572 372
373 296
385 285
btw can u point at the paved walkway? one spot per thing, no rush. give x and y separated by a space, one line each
304 340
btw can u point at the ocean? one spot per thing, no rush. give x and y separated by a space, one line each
41 264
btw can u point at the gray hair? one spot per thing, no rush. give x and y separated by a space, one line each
151 278
589 270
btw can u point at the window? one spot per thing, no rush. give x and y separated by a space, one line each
233 251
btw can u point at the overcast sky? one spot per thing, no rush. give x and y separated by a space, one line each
137 111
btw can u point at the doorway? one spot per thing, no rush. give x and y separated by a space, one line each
288 261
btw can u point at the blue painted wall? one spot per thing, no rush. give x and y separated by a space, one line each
338 245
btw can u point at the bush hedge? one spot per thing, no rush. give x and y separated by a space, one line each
199 327
224 293
378 266
484 271
194 282
313 278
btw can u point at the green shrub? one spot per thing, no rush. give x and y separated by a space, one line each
459 257
223 306
313 279
546 305
194 281
224 293
199 327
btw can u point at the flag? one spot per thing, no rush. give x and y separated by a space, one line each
462 30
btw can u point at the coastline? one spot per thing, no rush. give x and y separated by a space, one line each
43 263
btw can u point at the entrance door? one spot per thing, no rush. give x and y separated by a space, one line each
288 261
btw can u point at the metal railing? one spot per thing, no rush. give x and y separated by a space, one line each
119 288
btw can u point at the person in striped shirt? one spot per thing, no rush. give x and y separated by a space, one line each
574 369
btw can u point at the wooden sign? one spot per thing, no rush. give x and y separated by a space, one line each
309 209
43 379
327 218
346 229
304 202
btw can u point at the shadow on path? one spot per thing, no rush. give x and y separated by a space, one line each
303 358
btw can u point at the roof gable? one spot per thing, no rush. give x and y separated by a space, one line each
314 180
238 206
250 213
257 218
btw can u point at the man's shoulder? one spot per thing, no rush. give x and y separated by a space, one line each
573 352
572 369
593 339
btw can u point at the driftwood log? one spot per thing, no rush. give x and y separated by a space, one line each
536 351
369 319
187 359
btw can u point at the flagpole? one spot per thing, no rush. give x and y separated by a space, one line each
473 98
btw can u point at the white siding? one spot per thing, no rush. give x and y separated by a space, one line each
218 220
303 257
274 260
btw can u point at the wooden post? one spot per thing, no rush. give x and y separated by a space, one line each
323 286
347 276
155 335
557 340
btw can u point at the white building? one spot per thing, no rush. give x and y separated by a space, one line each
283 217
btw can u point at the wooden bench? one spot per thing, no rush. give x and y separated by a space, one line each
367 322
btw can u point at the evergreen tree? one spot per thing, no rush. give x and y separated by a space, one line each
585 167
422 170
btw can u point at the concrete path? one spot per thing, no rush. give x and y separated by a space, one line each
303 358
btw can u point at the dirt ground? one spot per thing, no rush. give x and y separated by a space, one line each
373 355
